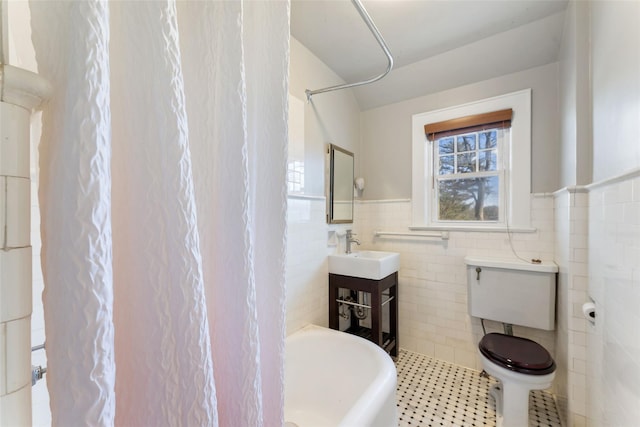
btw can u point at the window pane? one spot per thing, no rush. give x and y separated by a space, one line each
488 139
487 161
468 199
467 142
446 165
467 162
445 145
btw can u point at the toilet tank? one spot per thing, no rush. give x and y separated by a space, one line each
512 291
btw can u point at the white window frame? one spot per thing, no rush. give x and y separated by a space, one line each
515 155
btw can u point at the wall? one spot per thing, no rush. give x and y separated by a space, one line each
571 215
386 131
575 103
307 273
600 109
615 65
614 216
330 117
433 317
21 54
571 253
613 345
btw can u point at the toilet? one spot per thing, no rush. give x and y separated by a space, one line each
513 292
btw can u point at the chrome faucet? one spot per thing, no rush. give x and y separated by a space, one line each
351 240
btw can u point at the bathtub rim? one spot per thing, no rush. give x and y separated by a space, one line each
378 393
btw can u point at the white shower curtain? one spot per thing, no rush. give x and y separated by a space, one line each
163 202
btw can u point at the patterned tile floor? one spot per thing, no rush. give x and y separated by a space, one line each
435 393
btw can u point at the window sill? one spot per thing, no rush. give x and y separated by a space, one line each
480 229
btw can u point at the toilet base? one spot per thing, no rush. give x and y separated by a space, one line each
512 405
511 393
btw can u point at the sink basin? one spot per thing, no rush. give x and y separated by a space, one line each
374 265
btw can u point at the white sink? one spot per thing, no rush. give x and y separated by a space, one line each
374 265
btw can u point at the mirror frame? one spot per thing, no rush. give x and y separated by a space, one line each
331 208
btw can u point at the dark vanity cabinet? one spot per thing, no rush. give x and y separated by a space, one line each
381 293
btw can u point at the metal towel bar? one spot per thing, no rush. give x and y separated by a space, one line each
444 235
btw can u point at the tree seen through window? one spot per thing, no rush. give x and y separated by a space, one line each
468 179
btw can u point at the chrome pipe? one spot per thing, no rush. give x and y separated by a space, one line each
355 304
347 302
376 33
387 301
38 347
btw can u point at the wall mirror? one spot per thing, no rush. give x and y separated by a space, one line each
340 200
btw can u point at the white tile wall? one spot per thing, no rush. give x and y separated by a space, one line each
17 211
14 123
307 273
613 345
571 249
433 292
15 280
309 241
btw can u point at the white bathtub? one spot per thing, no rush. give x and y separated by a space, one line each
336 379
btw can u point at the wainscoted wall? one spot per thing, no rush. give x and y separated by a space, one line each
596 245
613 345
433 292
307 273
571 248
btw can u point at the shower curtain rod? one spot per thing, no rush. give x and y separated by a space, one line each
376 33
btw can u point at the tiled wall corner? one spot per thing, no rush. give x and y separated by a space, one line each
562 229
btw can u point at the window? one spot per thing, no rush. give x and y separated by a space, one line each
471 165
295 177
468 182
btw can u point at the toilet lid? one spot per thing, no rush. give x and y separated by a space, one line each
517 354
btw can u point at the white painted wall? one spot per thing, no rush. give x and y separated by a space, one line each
330 117
574 98
386 131
615 63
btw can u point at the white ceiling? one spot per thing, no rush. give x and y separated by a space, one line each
436 44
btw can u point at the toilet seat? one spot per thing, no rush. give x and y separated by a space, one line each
517 354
